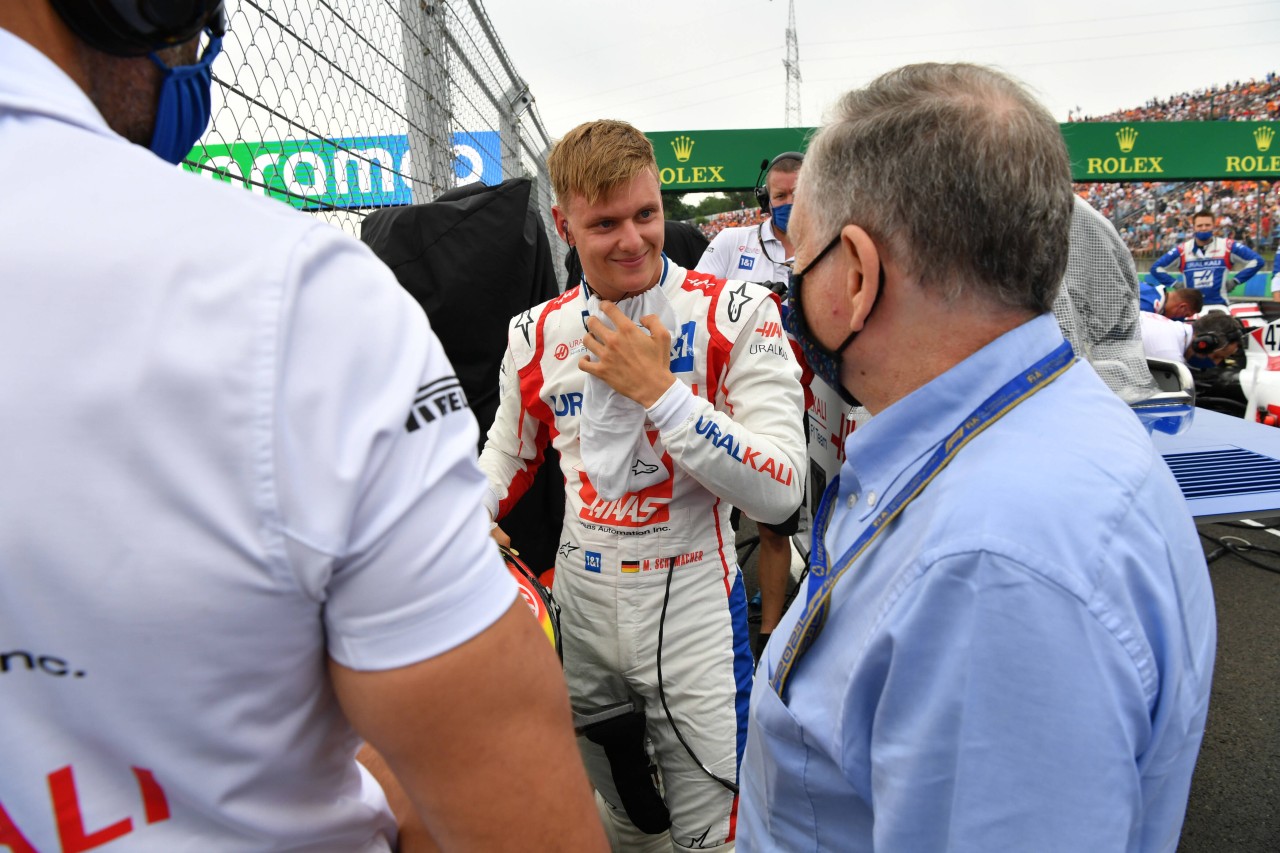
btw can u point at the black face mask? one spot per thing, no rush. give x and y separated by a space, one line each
824 363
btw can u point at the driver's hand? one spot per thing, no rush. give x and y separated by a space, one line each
500 536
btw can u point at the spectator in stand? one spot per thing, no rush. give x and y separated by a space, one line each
731 219
1206 260
1175 303
1254 100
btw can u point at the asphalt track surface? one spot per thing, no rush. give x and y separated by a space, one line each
1235 793
1234 805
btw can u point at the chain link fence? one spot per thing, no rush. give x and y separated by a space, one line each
339 107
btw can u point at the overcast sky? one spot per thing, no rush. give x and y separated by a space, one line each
708 64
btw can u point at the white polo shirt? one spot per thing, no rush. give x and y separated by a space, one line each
1165 338
232 449
746 253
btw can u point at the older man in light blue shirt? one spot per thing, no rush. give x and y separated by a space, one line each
1008 640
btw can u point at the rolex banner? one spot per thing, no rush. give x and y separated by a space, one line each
712 160
1173 150
717 160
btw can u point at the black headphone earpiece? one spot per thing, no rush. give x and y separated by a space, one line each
762 194
1210 342
1206 343
761 191
138 27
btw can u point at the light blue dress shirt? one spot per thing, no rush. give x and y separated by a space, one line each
1021 661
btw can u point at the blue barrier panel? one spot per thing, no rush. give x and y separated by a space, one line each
1259 285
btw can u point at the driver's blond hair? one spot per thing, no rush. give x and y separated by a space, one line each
595 158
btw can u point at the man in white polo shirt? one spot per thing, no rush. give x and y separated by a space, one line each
1165 338
241 520
763 253
760 252
1205 344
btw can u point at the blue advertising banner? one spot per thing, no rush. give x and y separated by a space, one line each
347 173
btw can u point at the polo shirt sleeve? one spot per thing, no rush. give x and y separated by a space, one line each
1005 716
373 461
719 252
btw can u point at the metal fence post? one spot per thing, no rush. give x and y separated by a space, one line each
427 98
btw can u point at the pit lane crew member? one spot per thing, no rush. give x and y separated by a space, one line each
1176 303
763 253
1210 347
1166 338
232 536
760 252
721 408
1205 261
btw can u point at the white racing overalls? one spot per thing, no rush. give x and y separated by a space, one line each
737 442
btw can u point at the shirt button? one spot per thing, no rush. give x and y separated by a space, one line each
853 499
871 499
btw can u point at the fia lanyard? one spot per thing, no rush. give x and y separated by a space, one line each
823 576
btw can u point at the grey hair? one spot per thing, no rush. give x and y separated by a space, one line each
957 172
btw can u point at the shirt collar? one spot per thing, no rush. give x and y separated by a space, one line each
876 454
30 82
767 234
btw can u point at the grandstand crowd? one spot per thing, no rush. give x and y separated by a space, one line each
716 223
1252 100
1152 217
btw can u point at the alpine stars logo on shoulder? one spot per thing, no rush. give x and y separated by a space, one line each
738 299
435 400
523 324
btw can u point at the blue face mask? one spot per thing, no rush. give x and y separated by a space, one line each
1200 362
1204 236
780 215
824 363
182 113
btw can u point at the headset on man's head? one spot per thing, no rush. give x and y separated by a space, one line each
766 166
138 27
1206 343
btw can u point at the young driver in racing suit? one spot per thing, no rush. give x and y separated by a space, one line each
650 570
